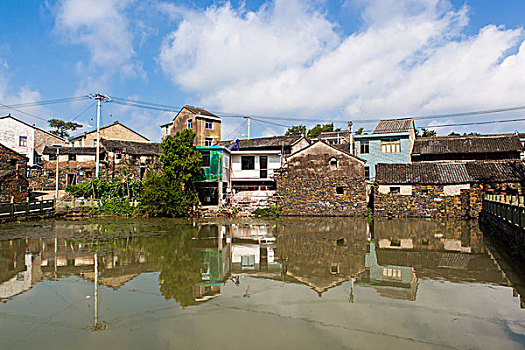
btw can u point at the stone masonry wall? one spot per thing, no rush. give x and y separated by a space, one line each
13 187
308 196
431 201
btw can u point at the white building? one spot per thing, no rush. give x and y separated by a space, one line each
28 140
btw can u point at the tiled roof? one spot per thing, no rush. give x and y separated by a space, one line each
131 147
13 152
394 126
450 173
33 126
345 147
467 144
86 151
4 173
264 142
104 127
199 111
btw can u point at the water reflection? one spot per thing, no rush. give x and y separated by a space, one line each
197 262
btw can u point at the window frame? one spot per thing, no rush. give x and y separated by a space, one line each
206 155
243 163
364 145
339 190
72 157
22 141
189 124
367 173
208 124
208 141
390 146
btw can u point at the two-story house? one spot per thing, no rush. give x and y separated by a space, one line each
253 161
26 139
206 125
215 180
113 131
390 142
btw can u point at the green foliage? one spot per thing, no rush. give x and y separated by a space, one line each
172 192
360 131
464 134
296 130
113 206
426 133
273 211
178 262
318 129
62 127
101 189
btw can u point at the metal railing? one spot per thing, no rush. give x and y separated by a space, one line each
26 208
508 208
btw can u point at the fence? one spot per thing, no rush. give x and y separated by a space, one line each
26 208
508 208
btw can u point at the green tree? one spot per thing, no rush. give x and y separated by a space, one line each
172 192
426 133
62 127
360 131
453 134
296 130
319 128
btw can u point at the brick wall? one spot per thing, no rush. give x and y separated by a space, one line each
14 187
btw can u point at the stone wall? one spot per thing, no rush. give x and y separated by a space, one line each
13 187
437 200
10 160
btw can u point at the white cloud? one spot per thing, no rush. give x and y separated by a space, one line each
411 57
103 28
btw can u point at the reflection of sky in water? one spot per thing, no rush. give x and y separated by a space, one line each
277 304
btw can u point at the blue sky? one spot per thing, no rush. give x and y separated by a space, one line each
334 60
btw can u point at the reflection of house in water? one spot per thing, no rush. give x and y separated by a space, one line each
391 281
323 260
215 253
24 276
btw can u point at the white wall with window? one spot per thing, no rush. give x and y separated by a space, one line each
18 136
247 164
391 146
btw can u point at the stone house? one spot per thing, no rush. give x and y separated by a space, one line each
206 125
76 164
13 183
254 161
113 131
390 142
431 189
215 180
322 180
467 148
26 139
130 158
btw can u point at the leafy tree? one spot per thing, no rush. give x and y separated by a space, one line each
296 130
62 127
454 134
426 133
172 192
360 131
319 128
471 134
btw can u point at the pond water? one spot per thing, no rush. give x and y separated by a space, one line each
331 283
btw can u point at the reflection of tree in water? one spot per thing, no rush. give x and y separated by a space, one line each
178 262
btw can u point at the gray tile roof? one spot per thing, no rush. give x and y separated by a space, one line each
341 133
467 144
394 126
450 173
131 147
264 142
86 151
199 111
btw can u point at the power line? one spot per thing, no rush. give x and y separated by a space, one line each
84 111
48 102
19 111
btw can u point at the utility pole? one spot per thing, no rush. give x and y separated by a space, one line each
248 121
99 98
56 180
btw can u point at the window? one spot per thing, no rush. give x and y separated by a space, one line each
208 141
333 163
247 162
190 124
391 146
38 159
72 157
367 173
340 190
95 143
208 125
52 157
118 156
365 147
205 162
395 189
22 141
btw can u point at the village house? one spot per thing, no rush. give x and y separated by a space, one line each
75 165
206 125
390 142
322 180
336 137
130 158
26 139
113 131
444 189
467 148
254 161
215 180
13 169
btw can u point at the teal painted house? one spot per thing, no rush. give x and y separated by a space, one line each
215 179
390 142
